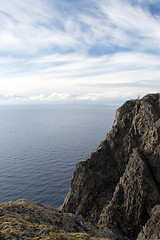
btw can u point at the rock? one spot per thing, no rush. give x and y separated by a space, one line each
1 213
32 220
118 185
134 197
151 230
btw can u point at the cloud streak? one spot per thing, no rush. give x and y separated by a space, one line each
76 50
33 26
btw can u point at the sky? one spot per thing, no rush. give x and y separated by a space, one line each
78 50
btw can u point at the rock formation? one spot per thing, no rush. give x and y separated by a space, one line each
26 220
151 230
118 185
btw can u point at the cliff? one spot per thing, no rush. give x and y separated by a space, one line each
118 185
115 192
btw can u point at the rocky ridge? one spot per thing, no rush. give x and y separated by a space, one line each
118 185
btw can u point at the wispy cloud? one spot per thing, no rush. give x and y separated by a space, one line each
119 23
28 26
78 50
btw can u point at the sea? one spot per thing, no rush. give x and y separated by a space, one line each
40 146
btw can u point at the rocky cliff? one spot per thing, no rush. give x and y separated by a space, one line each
118 185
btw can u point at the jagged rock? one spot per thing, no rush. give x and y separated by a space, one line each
151 230
133 199
119 183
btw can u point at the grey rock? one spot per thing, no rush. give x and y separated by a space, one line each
1 213
134 197
151 230
119 183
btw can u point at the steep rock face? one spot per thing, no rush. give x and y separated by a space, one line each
134 197
151 230
119 183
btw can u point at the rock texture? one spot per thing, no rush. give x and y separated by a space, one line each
151 230
31 220
118 185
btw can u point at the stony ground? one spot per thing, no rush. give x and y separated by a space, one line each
31 220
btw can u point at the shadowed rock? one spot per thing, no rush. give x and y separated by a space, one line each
119 184
151 230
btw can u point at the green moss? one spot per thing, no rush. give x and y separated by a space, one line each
69 236
25 221
55 236
27 218
11 232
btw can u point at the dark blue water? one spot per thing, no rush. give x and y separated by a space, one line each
41 144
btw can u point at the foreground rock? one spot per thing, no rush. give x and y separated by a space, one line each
31 220
119 184
151 230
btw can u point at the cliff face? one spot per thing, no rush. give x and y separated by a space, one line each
118 185
151 230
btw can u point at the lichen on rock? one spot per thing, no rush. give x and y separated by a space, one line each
26 220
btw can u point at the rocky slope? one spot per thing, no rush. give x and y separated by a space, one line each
118 185
31 220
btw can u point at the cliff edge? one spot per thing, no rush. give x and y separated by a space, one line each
118 185
26 220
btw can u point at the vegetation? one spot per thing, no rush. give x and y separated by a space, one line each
26 220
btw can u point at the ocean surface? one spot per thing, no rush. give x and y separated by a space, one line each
41 144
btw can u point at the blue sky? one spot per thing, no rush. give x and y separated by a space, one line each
72 50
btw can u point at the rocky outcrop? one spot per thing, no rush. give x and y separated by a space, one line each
134 197
26 220
151 230
118 185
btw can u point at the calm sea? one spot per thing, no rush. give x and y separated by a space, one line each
41 144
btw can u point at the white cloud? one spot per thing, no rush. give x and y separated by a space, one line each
118 23
32 26
120 94
58 50
79 74
52 97
28 27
